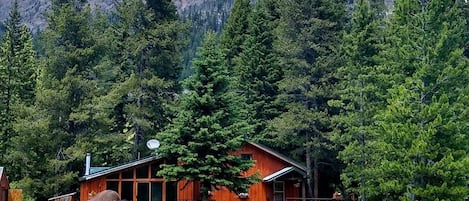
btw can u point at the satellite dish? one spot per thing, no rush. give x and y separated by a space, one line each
153 144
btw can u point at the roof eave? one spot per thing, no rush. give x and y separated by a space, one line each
278 155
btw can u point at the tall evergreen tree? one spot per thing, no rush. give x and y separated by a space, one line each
146 43
258 70
360 97
209 126
311 35
66 88
17 72
235 31
423 154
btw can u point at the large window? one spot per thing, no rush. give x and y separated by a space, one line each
279 191
127 190
141 184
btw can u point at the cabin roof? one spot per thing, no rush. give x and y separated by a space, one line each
98 169
1 172
106 170
295 166
283 172
62 197
279 156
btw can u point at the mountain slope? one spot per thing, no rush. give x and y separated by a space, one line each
33 11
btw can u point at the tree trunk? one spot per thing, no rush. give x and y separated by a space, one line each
308 173
205 190
316 178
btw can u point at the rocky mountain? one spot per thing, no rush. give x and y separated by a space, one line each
33 11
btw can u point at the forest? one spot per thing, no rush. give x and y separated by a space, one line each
374 103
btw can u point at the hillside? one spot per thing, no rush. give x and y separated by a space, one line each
33 11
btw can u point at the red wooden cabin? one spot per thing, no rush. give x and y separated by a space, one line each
4 185
137 181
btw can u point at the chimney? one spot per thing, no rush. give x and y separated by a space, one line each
88 164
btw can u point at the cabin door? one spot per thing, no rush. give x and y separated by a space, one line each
150 191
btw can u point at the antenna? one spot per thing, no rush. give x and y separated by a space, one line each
153 144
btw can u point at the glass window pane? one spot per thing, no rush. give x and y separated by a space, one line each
278 186
113 185
127 190
278 197
142 172
113 176
171 191
156 191
155 167
246 156
143 193
128 174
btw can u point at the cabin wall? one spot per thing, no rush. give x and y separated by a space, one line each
4 186
292 190
265 163
188 191
90 188
257 192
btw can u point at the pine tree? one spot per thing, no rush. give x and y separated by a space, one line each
258 70
311 35
209 126
66 87
17 71
423 154
146 43
359 98
235 31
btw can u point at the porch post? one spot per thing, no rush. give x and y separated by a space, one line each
303 190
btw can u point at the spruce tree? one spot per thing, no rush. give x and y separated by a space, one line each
423 154
66 87
359 97
146 61
235 31
18 74
258 70
311 35
209 126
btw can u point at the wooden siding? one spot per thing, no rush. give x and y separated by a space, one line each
15 195
93 186
188 191
90 188
265 164
4 185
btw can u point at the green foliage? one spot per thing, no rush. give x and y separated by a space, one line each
235 31
258 71
64 111
359 98
209 126
210 15
309 40
421 155
143 65
17 75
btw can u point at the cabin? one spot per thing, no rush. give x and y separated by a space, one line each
4 185
282 180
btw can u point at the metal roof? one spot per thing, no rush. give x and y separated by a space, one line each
1 171
94 170
101 171
279 156
282 172
63 197
106 171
